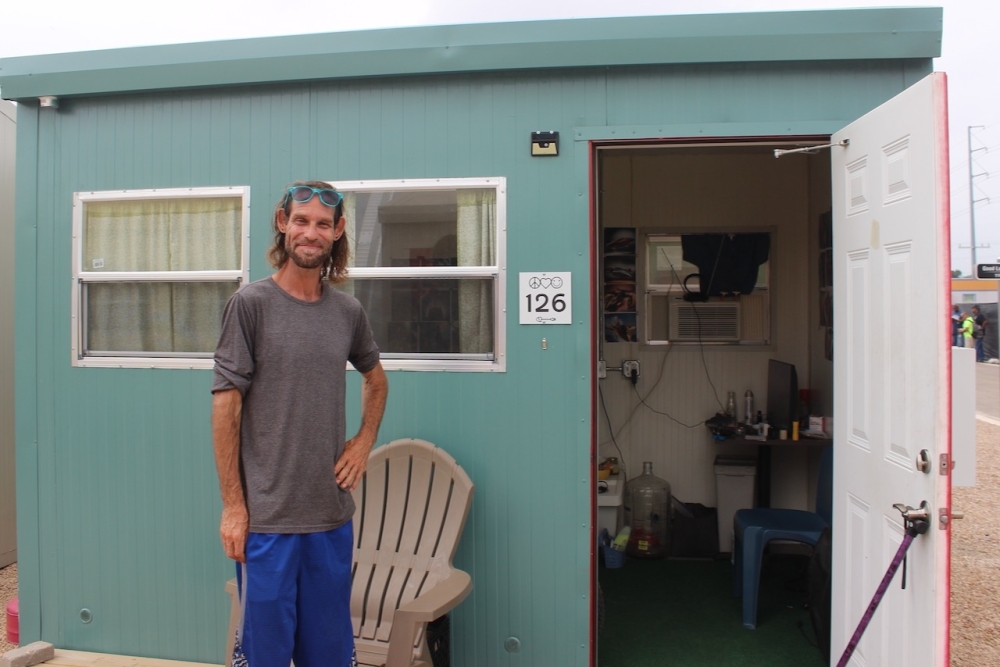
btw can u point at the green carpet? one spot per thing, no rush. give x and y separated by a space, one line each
680 613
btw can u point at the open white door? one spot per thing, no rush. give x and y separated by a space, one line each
892 373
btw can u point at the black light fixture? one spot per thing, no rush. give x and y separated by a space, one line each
544 144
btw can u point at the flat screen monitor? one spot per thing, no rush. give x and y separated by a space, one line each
782 394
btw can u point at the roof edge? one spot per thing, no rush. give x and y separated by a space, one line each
881 33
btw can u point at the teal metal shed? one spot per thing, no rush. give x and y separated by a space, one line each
117 494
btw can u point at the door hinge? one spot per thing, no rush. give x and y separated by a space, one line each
945 464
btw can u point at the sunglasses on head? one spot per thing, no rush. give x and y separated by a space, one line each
303 193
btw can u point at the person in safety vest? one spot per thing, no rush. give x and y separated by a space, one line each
967 330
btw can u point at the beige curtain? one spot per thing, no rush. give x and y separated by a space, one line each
476 247
188 234
350 206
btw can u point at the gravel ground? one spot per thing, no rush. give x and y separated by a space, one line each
975 589
975 559
8 591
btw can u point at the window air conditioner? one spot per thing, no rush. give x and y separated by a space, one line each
709 322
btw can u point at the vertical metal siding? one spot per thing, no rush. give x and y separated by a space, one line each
119 502
29 515
8 523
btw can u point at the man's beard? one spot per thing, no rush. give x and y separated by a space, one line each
315 262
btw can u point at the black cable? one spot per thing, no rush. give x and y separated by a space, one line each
648 406
611 429
694 307
802 629
701 346
701 343
659 378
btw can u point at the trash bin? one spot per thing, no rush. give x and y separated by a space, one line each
13 625
695 531
734 484
439 641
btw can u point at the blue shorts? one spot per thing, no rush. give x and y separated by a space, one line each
298 599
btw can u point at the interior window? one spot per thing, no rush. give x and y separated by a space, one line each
707 288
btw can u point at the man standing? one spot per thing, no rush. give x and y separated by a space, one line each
966 329
956 323
979 332
278 421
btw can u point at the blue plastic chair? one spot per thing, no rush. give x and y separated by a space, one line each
754 528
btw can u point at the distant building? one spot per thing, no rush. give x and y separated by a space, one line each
972 291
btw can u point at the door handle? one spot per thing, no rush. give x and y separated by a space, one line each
915 519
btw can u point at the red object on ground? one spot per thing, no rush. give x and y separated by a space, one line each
13 627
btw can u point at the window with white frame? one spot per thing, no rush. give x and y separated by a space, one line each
707 288
152 271
426 265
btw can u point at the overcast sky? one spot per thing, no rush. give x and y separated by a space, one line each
971 53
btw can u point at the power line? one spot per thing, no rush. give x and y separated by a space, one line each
972 197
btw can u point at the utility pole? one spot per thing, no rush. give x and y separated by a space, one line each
973 200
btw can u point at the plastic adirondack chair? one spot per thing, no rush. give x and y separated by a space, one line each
411 508
754 528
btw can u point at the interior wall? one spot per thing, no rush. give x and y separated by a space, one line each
680 190
820 368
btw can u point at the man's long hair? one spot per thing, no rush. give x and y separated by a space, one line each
335 269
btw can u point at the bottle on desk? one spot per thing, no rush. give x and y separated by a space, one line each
731 404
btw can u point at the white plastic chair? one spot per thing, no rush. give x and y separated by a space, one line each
411 509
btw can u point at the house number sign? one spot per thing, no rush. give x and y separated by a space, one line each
546 298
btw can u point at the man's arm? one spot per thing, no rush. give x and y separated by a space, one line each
227 409
351 464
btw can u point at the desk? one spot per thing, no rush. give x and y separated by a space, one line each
609 505
764 460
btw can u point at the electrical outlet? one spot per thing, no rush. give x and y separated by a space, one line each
628 367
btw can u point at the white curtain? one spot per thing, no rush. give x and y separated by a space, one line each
350 212
350 206
476 247
189 234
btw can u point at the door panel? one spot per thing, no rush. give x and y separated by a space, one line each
891 373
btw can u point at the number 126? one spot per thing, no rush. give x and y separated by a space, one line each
541 302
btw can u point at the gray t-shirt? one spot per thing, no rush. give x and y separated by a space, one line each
288 359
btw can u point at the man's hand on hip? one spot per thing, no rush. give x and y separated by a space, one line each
233 530
352 463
